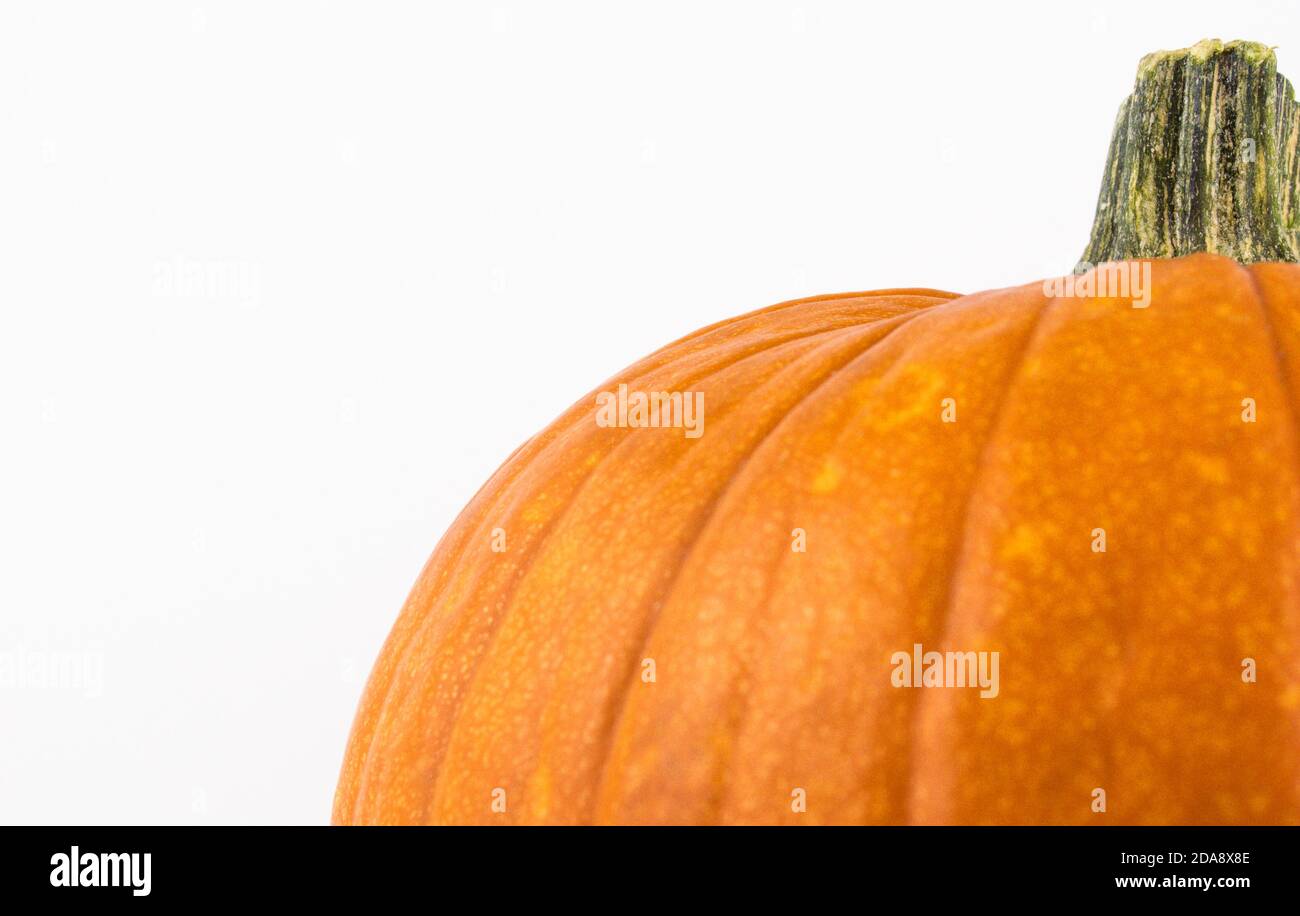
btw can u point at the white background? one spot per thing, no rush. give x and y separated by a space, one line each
283 283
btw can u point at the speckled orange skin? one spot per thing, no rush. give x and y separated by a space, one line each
1119 670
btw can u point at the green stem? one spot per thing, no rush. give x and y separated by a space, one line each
1203 158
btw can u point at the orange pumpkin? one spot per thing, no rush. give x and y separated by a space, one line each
630 625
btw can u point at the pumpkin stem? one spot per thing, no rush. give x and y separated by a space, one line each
1203 158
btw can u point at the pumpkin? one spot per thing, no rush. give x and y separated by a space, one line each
629 624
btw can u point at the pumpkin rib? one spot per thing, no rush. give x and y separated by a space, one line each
1128 650
619 701
768 310
1125 629
1290 384
739 706
506 497
723 802
627 443
1014 367
1291 390
1285 378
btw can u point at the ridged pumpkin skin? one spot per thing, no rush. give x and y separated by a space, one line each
521 670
